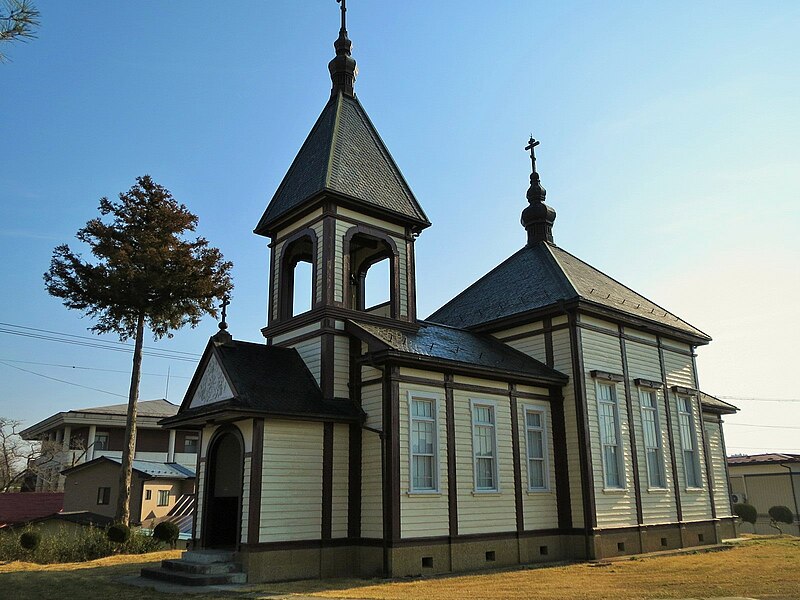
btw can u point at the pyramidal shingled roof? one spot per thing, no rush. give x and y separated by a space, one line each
541 275
345 155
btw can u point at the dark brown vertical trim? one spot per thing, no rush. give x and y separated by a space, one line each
637 487
515 446
327 480
561 464
670 435
391 478
411 272
582 414
354 447
452 482
706 445
256 468
328 258
548 341
327 352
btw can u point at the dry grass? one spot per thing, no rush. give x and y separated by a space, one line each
765 568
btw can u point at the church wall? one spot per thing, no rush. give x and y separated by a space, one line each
614 507
532 346
367 220
338 261
371 468
484 512
274 258
299 224
539 507
318 230
341 366
291 493
520 330
294 333
562 361
423 514
658 506
695 503
341 447
311 353
245 498
722 502
402 275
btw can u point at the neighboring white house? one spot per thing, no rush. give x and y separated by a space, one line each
89 433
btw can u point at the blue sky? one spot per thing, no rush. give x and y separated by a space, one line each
669 149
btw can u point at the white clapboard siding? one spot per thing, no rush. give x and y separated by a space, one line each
616 507
341 367
341 458
310 352
532 346
402 260
291 494
318 228
514 331
539 508
658 506
484 512
201 486
369 220
245 498
338 262
371 468
562 361
695 504
425 514
722 502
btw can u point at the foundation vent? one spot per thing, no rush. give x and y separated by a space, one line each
621 546
427 562
543 550
490 556
664 542
701 538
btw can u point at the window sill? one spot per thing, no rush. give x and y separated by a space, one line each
658 490
423 493
487 493
695 490
615 490
539 492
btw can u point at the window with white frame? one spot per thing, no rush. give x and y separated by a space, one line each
101 440
163 498
691 459
610 437
424 474
484 447
654 455
536 440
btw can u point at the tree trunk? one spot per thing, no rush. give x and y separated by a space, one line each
128 451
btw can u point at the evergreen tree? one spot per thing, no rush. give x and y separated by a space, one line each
144 274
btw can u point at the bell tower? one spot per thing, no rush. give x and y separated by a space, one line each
342 213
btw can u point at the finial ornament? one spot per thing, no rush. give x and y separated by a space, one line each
226 301
343 67
537 218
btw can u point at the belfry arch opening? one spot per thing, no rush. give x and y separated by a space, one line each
373 264
297 291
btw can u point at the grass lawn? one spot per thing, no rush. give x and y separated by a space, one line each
764 568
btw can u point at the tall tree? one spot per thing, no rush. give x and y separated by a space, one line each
18 20
144 274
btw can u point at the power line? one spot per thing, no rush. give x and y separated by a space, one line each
791 450
30 362
61 380
764 426
741 398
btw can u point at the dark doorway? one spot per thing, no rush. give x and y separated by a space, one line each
223 495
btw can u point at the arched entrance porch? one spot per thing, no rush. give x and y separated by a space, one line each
222 502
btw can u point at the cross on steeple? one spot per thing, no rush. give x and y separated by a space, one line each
532 143
537 218
343 67
344 13
226 300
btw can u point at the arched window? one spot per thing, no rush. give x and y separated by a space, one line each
373 262
296 293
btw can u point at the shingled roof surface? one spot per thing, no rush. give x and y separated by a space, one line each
459 346
753 459
542 275
714 404
271 380
17 507
344 154
147 408
148 468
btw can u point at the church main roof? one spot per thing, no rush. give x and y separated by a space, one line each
541 275
345 155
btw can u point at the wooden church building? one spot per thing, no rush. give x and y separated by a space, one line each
547 412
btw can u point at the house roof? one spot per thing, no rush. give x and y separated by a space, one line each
543 275
753 459
148 469
264 379
344 154
458 347
80 517
18 507
147 413
714 404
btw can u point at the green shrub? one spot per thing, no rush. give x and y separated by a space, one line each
119 533
29 540
780 514
167 532
746 512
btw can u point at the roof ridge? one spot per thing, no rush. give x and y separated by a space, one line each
561 269
334 135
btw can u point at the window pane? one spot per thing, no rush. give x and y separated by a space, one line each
534 419
483 414
423 472
612 467
485 473
535 444
422 408
536 473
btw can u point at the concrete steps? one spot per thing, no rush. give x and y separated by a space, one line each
198 568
